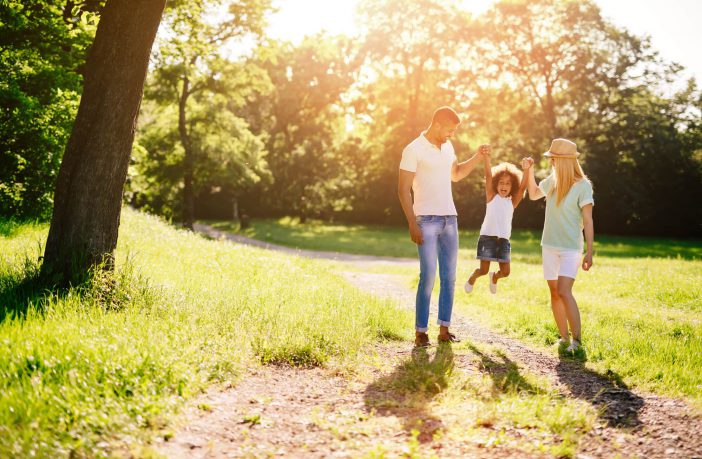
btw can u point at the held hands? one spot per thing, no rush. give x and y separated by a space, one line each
485 150
415 233
527 163
587 261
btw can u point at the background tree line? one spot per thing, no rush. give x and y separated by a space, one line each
316 129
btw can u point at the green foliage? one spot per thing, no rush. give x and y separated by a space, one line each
82 368
303 119
411 49
43 47
644 151
561 70
193 141
317 128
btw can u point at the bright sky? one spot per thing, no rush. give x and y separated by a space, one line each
672 24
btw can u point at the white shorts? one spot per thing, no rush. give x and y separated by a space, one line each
559 262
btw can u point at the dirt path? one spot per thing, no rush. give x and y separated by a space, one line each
289 412
338 256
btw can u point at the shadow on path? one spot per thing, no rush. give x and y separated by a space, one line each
504 373
408 390
618 406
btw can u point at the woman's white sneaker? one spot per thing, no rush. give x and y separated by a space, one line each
574 346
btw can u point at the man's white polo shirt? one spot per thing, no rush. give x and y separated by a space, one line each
432 176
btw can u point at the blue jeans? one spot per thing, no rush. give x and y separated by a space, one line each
440 241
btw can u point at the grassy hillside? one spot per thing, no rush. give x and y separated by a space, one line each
82 367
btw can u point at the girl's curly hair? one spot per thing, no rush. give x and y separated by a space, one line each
511 171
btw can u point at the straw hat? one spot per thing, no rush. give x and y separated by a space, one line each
562 148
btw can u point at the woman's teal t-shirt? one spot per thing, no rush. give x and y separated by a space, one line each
563 225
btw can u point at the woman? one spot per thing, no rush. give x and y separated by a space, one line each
569 203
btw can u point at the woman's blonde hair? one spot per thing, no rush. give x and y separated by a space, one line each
567 171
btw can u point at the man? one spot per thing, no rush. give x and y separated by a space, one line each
428 167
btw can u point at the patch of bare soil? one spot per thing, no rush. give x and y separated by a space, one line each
313 413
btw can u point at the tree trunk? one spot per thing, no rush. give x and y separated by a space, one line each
188 159
89 187
550 112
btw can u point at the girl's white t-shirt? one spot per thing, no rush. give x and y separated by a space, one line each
498 218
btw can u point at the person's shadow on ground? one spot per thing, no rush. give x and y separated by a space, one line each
408 390
504 373
617 405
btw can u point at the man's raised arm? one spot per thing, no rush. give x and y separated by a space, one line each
461 170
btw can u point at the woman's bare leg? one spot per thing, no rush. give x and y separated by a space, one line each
558 308
565 292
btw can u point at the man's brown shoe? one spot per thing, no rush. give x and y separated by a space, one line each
421 340
450 338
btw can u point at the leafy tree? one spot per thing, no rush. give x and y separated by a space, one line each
304 119
189 65
570 73
643 149
43 47
558 52
410 50
88 197
230 159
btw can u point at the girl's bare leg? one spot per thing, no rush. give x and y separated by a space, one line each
558 308
565 292
483 270
503 272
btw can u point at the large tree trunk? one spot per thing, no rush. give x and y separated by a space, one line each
88 198
188 158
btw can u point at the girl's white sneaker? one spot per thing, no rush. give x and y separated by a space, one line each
468 287
493 286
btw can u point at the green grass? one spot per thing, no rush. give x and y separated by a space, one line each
641 304
109 362
395 241
81 369
638 325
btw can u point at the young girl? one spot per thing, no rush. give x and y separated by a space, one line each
569 202
504 190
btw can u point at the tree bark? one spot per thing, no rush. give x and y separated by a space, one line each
89 187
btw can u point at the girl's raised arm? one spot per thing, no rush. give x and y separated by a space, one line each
516 199
489 193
